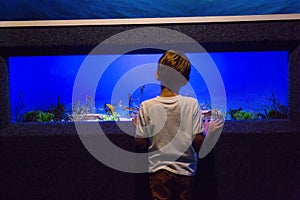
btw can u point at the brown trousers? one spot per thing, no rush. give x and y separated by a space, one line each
165 185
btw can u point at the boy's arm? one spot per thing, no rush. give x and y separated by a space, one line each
141 143
197 142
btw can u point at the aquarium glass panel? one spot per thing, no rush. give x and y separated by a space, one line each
254 82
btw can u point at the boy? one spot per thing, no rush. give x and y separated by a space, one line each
170 128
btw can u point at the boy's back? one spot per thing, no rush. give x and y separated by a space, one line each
171 123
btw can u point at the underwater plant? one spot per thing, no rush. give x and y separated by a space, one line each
110 114
18 116
112 117
38 116
31 116
276 110
133 111
259 116
240 114
45 117
59 111
56 113
142 88
232 112
134 104
90 102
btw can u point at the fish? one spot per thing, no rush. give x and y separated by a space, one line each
110 107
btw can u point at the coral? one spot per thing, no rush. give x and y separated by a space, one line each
79 111
88 111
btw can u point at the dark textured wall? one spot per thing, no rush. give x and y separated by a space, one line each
252 159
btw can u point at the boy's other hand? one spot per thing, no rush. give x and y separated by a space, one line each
215 126
213 133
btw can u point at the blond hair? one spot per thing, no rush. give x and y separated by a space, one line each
173 60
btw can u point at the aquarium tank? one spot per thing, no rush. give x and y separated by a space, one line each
41 87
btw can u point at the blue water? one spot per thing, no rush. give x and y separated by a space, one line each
249 79
104 9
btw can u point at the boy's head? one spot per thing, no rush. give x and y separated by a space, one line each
173 69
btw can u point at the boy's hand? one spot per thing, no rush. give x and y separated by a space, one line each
213 133
134 120
217 122
214 126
